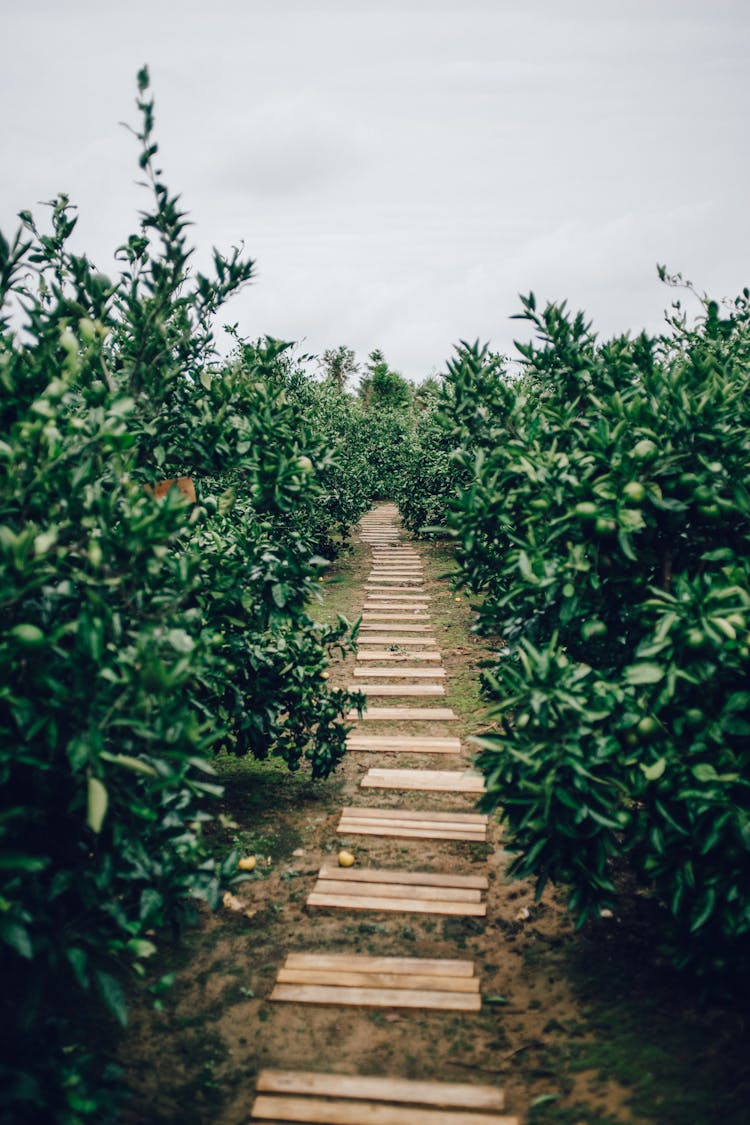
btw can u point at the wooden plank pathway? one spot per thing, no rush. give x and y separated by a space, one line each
396 644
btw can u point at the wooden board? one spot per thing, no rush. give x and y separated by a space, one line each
405 878
364 962
407 714
377 997
396 639
269 1109
314 1111
430 657
398 1090
464 818
437 781
381 690
395 615
375 980
339 901
378 587
389 626
384 605
403 744
403 830
402 673
339 884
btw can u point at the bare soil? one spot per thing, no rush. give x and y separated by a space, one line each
577 1028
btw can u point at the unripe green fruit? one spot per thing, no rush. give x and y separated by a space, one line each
694 717
695 639
647 727
605 526
634 491
643 449
305 465
586 510
29 636
87 329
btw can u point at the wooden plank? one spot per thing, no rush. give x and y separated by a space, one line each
353 828
397 615
311 1111
430 657
412 814
390 905
436 781
402 673
411 744
408 714
337 886
385 605
403 878
365 962
376 980
396 639
360 1086
377 997
382 690
379 588
389 626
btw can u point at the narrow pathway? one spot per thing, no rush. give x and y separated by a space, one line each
398 659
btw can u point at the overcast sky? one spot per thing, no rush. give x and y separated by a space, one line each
401 169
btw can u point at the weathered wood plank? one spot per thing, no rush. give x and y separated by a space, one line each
382 690
388 627
377 997
364 1087
391 905
408 714
438 781
404 832
336 886
402 673
308 1111
396 639
412 744
397 615
376 980
365 962
419 878
432 657
414 814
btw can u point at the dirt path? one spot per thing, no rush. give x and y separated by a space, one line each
573 1029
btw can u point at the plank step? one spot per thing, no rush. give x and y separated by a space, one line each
396 639
407 714
402 744
389 626
432 657
391 1090
415 826
381 690
444 988
402 673
436 781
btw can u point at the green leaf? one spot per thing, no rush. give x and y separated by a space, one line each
17 937
113 996
704 771
637 674
98 799
655 770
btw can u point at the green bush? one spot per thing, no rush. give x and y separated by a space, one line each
606 528
138 633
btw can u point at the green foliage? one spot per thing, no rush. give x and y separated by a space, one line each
138 632
605 524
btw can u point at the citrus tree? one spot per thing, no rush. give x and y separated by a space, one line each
605 522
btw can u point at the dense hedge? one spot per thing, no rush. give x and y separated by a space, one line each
139 632
604 522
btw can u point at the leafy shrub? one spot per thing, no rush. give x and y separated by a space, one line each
606 526
138 633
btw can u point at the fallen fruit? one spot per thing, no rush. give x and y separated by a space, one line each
247 863
346 859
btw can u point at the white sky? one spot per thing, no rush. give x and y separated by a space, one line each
401 169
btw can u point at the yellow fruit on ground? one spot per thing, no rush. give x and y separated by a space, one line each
324 675
346 859
247 863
